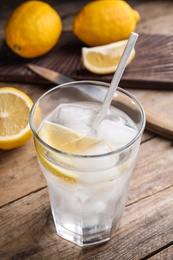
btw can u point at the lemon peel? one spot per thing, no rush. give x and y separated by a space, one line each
103 22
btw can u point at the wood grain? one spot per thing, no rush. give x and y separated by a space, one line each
29 221
151 68
21 173
152 173
32 234
160 125
146 231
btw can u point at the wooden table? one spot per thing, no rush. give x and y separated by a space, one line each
146 231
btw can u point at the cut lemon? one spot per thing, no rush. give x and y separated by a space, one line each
48 159
69 141
15 106
104 59
65 139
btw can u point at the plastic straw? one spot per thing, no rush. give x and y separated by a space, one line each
115 81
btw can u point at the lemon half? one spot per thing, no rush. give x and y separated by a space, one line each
15 107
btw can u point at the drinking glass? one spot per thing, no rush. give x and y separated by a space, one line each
88 192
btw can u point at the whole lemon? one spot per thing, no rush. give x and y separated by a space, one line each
103 22
33 29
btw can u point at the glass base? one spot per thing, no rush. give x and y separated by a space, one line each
88 237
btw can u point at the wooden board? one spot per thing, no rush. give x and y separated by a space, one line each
152 67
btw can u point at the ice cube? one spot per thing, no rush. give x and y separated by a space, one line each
97 148
97 168
75 116
116 133
79 126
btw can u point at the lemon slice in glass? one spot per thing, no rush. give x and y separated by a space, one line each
65 139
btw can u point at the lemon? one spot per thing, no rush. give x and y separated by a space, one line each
69 141
15 107
63 139
33 29
103 22
104 59
52 167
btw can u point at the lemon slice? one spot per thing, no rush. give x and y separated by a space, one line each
69 141
45 161
65 139
15 107
104 59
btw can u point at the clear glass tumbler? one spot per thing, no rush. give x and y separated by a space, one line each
88 192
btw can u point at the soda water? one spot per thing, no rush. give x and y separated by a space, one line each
88 179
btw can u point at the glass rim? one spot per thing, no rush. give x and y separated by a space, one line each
101 84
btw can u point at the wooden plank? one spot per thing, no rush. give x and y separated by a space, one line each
19 170
153 171
167 253
32 232
160 102
151 68
20 173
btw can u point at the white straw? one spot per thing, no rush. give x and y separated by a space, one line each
115 81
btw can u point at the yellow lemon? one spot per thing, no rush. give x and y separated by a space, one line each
69 141
33 29
52 167
15 107
104 59
103 22
63 139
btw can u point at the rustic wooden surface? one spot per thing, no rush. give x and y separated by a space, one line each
146 232
151 68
